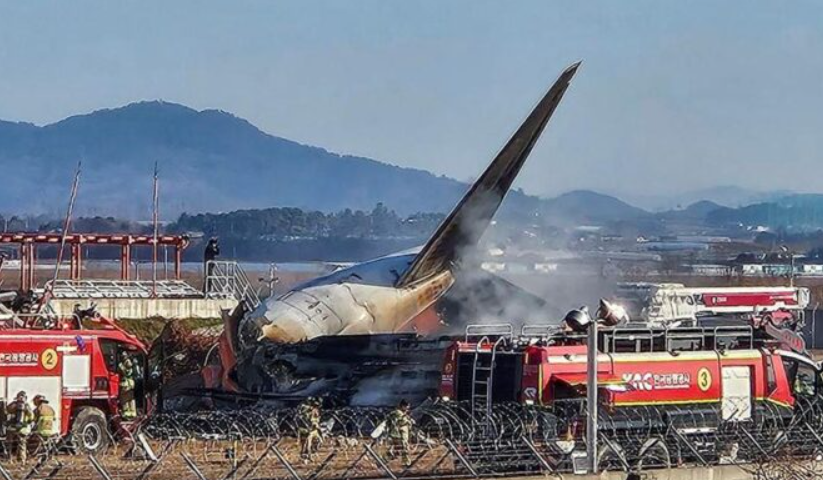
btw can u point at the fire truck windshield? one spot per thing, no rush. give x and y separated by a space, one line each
109 348
803 378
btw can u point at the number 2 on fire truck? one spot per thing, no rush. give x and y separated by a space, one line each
49 359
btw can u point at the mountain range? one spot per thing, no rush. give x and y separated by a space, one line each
213 161
731 196
209 161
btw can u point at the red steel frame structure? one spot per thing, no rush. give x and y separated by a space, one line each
28 243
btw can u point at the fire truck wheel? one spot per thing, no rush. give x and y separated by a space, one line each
90 430
654 454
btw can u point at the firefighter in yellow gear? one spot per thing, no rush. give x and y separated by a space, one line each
19 418
128 406
399 425
308 426
44 417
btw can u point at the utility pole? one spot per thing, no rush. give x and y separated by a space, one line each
791 274
788 251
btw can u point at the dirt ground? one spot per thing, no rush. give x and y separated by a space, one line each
336 458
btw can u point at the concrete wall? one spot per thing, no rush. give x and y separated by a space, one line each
139 308
727 472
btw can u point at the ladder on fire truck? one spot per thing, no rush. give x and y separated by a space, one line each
485 353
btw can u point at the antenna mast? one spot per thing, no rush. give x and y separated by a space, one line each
66 225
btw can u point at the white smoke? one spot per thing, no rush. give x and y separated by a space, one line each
519 296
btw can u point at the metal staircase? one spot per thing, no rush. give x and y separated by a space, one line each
227 279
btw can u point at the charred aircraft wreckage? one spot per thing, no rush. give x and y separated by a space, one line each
356 334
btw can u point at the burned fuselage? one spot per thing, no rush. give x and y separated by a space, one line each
361 299
353 369
381 369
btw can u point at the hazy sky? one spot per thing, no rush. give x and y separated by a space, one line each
672 96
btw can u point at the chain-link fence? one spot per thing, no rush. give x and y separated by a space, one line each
447 441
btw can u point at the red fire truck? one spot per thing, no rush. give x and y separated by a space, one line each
75 369
636 366
649 379
667 303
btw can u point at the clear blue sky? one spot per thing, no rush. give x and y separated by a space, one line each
672 96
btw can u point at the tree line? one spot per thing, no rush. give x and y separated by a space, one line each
284 224
270 234
280 223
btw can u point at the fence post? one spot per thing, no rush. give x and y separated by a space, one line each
354 464
236 467
534 451
380 462
285 462
323 465
414 462
257 462
461 458
159 458
100 468
4 473
192 466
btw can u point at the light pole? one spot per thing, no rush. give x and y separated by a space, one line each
591 398
579 321
610 314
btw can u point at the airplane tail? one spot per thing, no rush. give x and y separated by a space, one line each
468 221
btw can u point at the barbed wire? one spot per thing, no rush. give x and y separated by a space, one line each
453 439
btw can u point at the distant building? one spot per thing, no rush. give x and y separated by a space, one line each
493 267
676 246
811 269
704 239
765 269
707 270
612 238
545 267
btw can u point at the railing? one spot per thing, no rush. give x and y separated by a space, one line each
490 330
228 280
540 331
644 339
124 289
99 289
45 320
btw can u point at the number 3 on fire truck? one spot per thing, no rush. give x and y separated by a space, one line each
49 359
704 379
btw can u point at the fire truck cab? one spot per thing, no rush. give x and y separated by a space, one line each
76 371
